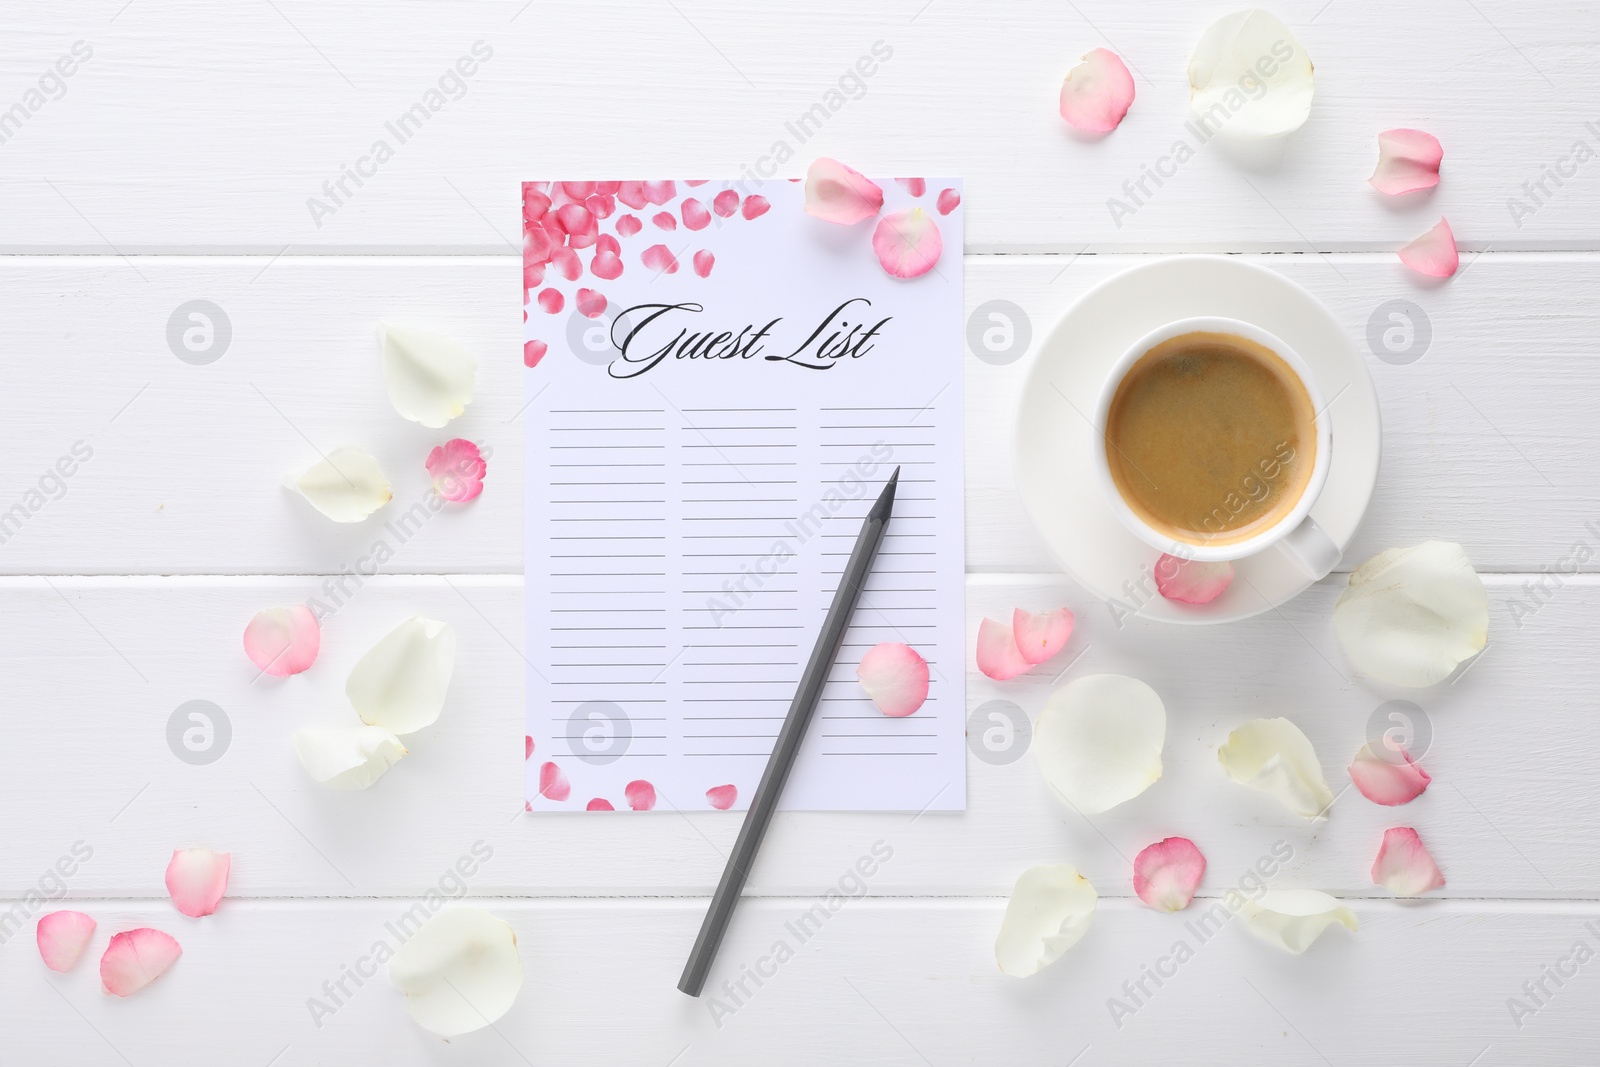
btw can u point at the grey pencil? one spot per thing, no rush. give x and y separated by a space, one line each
793 731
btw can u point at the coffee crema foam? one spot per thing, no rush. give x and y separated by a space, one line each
1211 438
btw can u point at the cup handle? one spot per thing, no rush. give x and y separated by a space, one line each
1311 548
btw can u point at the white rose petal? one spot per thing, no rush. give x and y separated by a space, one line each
1272 755
1049 910
459 972
1249 78
1411 616
1098 741
347 757
347 486
1292 919
400 683
429 377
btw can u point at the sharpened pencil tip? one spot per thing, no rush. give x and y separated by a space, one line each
884 506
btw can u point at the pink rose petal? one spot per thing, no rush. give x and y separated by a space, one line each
532 277
536 252
660 258
914 186
578 190
457 469
703 262
599 804
552 228
1404 866
607 243
722 797
607 266
695 215
836 193
197 878
725 203
533 352
591 303
660 193
607 188
552 783
998 655
551 301
641 795
907 243
1041 636
62 936
665 220
948 201
632 194
895 676
1434 253
694 184
1390 777
628 225
567 262
1407 160
528 747
283 641
1167 873
1097 92
754 207
601 206
135 958
579 224
1190 581
534 205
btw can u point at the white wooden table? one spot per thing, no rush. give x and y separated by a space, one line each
177 166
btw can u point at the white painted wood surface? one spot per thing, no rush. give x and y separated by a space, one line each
177 167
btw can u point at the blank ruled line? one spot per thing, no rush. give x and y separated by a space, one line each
609 537
607 611
733 718
609 646
608 592
742 646
729 737
724 592
727 663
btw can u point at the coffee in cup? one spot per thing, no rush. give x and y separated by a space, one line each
1213 443
1211 438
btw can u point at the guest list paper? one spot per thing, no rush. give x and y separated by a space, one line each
718 385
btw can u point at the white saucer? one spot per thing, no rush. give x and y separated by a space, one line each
1054 453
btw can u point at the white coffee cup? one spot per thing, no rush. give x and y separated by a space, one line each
1296 533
